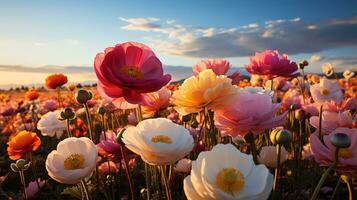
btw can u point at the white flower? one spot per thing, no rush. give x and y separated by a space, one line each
268 156
158 141
257 90
226 173
50 125
327 69
326 90
183 165
348 74
74 160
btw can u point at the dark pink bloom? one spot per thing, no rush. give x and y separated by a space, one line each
219 67
324 153
129 70
32 188
252 112
7 111
269 63
108 167
108 147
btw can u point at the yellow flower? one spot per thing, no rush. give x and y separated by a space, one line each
205 90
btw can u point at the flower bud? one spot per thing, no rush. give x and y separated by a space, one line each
67 113
280 136
14 167
341 140
82 96
102 110
119 138
299 114
303 64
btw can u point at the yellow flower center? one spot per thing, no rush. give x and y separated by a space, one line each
345 153
74 161
324 92
161 138
230 180
132 72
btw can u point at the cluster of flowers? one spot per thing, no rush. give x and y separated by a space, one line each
214 136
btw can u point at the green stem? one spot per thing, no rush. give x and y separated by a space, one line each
324 176
89 122
166 183
250 139
22 179
277 172
336 189
128 174
85 190
59 97
68 128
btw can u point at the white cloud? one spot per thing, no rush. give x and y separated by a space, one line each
315 58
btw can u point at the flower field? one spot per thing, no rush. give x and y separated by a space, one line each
281 134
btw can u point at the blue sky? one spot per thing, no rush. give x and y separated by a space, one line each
70 33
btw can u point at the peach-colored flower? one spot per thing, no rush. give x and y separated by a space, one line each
219 66
22 143
54 81
205 90
156 101
327 69
108 167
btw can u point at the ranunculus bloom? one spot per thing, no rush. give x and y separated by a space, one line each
333 120
129 70
158 141
184 165
22 143
249 113
205 90
326 90
107 146
219 66
54 81
348 74
269 63
31 95
324 153
7 111
348 104
32 188
268 157
327 69
155 102
226 173
108 167
50 105
74 160
50 125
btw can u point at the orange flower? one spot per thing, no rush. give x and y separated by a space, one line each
32 94
22 143
55 80
71 87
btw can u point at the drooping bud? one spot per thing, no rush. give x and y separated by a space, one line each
102 110
67 113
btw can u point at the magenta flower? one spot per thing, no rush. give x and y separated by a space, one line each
252 112
269 63
324 153
108 148
219 67
129 70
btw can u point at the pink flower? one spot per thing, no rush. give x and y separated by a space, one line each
50 105
348 104
324 153
108 167
268 63
333 120
219 67
156 101
108 148
32 188
250 113
129 70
